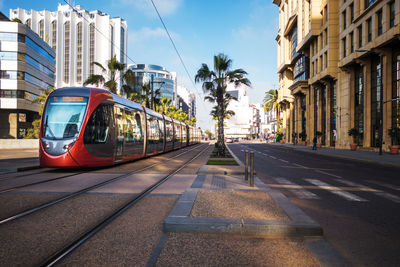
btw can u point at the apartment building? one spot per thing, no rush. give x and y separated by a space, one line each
79 38
325 49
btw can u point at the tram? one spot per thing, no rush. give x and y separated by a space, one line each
91 127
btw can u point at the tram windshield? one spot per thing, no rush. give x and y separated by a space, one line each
63 116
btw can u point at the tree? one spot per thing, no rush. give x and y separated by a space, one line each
112 77
215 82
271 103
210 134
33 133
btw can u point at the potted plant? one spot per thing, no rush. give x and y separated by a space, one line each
303 137
394 133
355 133
319 134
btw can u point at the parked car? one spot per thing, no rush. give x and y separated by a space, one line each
229 140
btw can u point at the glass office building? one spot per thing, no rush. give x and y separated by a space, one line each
27 67
159 76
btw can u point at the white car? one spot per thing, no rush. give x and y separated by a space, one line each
229 140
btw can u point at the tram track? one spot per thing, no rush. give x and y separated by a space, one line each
87 189
89 233
6 190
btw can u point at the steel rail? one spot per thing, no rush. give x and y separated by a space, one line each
68 249
61 177
80 192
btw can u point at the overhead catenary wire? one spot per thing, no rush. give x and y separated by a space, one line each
176 50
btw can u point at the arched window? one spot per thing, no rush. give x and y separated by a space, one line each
28 23
91 48
41 29
54 35
79 52
67 29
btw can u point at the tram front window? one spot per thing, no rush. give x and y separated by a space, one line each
63 116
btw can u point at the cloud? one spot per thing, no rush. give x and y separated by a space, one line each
165 7
146 34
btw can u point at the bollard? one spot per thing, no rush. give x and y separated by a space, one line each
246 168
251 169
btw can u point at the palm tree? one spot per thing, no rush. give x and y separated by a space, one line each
271 103
215 82
163 105
114 68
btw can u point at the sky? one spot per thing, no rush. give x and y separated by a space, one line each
244 30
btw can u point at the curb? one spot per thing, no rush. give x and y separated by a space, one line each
179 219
338 156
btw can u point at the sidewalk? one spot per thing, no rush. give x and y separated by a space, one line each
385 158
14 160
221 220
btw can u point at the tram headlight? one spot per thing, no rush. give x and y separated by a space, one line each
69 146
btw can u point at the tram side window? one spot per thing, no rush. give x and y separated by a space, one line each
153 130
98 126
169 131
161 129
138 128
133 127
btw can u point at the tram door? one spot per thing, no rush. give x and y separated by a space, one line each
119 119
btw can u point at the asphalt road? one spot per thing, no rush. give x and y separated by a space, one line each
356 203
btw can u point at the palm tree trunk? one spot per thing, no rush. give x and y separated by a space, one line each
278 119
220 142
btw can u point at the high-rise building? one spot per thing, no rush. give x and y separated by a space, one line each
158 77
339 69
26 69
79 38
186 101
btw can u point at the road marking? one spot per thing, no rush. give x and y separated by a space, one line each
298 165
336 190
284 160
299 191
385 185
327 173
388 196
272 157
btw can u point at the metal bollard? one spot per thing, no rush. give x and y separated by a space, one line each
252 169
246 168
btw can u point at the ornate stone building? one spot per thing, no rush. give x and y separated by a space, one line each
335 61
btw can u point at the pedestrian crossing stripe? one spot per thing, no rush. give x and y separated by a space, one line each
336 190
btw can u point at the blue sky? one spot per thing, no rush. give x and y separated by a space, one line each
244 30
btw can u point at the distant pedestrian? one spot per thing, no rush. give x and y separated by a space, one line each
314 141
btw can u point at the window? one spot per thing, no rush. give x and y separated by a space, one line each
79 52
369 2
98 126
39 49
122 46
351 42
379 21
112 41
396 89
39 66
67 26
326 59
91 48
28 23
392 10
359 29
321 62
369 30
344 20
11 74
344 47
351 13
41 29
54 35
326 37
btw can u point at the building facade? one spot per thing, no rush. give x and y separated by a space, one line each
246 123
330 55
158 77
26 68
186 101
79 38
